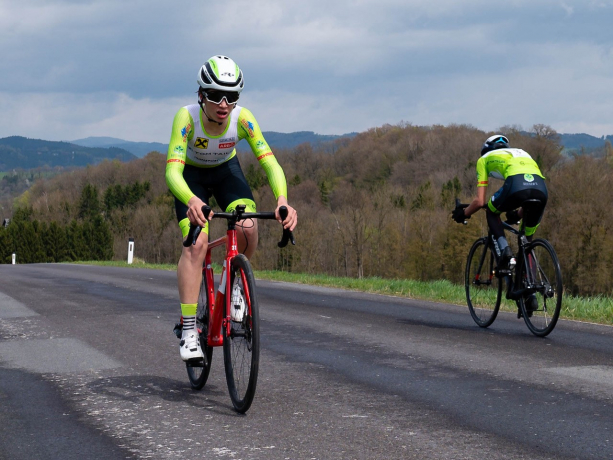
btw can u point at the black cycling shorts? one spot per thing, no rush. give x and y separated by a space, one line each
225 182
517 189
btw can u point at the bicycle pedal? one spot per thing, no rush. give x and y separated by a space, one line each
195 362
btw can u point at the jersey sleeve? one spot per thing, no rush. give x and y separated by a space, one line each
182 130
482 174
248 129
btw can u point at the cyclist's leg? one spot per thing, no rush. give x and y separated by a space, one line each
232 189
189 268
497 204
189 277
533 218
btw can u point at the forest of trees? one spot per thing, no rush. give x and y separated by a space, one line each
377 204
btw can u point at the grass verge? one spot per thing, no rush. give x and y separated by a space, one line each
597 309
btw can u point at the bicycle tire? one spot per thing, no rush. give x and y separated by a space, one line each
483 297
548 284
198 372
241 347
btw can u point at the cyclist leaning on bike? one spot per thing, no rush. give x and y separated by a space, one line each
522 181
201 163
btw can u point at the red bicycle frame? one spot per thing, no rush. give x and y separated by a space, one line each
217 318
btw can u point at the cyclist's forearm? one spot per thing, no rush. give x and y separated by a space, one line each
276 177
477 203
176 183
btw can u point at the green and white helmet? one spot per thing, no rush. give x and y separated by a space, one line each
221 73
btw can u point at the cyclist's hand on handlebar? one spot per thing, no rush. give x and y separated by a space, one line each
291 220
458 215
194 212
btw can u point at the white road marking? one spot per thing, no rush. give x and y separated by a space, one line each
11 308
64 355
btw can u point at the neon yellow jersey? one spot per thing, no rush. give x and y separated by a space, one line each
503 163
191 144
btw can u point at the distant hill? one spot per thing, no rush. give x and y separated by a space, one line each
274 139
24 153
576 141
139 149
290 140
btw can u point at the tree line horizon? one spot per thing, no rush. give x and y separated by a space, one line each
374 205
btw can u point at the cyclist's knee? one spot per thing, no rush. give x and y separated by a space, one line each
196 252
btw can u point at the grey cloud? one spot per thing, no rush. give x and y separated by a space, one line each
382 61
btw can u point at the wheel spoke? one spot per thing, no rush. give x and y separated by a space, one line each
483 287
541 315
241 346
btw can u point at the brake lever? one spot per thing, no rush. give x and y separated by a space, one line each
194 230
287 233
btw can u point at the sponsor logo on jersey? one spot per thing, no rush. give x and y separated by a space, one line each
201 143
175 160
227 145
528 177
248 126
179 150
264 156
185 131
227 139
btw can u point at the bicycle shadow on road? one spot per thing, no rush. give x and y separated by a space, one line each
138 389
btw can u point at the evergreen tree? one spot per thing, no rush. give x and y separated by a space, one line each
56 243
101 238
39 254
255 177
77 247
89 205
22 214
110 198
6 245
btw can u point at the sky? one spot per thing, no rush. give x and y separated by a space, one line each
71 69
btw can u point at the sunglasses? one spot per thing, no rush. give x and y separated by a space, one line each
217 96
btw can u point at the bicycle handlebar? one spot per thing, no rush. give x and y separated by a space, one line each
235 216
462 206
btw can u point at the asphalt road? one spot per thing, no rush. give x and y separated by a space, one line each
89 368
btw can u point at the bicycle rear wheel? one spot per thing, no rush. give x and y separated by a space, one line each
483 287
198 371
542 273
241 348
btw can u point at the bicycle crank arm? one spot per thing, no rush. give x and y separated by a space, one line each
516 295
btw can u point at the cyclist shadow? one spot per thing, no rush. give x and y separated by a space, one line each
135 388
503 329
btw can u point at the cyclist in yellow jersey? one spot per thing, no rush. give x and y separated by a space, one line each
201 163
522 181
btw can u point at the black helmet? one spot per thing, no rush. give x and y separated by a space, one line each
495 142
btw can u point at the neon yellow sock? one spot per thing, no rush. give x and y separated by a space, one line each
189 309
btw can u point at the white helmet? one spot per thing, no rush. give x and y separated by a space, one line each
222 74
495 142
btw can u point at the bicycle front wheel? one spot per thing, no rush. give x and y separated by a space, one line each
241 347
198 371
483 287
541 273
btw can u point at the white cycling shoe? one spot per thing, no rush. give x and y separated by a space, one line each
238 304
190 345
